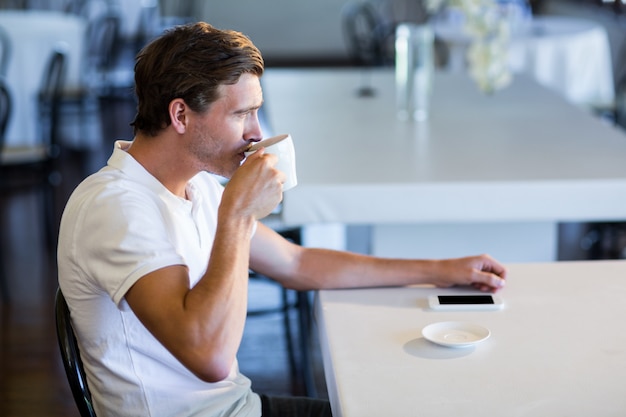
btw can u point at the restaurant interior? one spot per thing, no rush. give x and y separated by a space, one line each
67 69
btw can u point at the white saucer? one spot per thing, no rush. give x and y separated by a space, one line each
455 333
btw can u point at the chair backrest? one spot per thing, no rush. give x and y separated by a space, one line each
149 23
5 52
5 111
50 95
73 6
620 86
102 36
365 33
71 357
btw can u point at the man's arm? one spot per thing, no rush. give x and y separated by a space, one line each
202 326
309 268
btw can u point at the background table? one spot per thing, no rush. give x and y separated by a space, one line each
557 348
567 54
570 55
486 174
34 34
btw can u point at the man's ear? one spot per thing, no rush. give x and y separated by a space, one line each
178 115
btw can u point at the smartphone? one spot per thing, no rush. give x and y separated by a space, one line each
465 302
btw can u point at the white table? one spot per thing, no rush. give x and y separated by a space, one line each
557 348
569 55
486 174
34 34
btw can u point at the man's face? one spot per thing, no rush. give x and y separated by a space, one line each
221 134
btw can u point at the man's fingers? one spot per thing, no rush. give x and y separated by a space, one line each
488 281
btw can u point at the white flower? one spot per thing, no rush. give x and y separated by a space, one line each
487 55
434 5
489 65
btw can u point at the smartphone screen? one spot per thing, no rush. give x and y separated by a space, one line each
465 299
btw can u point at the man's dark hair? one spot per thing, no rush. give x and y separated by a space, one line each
189 62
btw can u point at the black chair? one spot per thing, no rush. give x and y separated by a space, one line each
5 116
5 52
149 25
102 38
74 6
35 164
305 324
619 108
82 100
71 357
368 38
6 103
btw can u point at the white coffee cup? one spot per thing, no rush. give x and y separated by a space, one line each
282 147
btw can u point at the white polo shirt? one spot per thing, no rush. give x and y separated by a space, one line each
120 224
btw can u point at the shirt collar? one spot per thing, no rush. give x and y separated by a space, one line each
124 162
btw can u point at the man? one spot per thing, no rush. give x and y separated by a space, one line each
154 254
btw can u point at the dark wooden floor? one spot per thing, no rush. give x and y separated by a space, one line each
32 380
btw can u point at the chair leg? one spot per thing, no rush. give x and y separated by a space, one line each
305 319
4 288
286 308
49 216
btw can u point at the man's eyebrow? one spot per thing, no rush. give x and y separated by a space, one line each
248 109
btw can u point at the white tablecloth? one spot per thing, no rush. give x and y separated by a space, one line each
34 34
556 349
485 174
569 55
